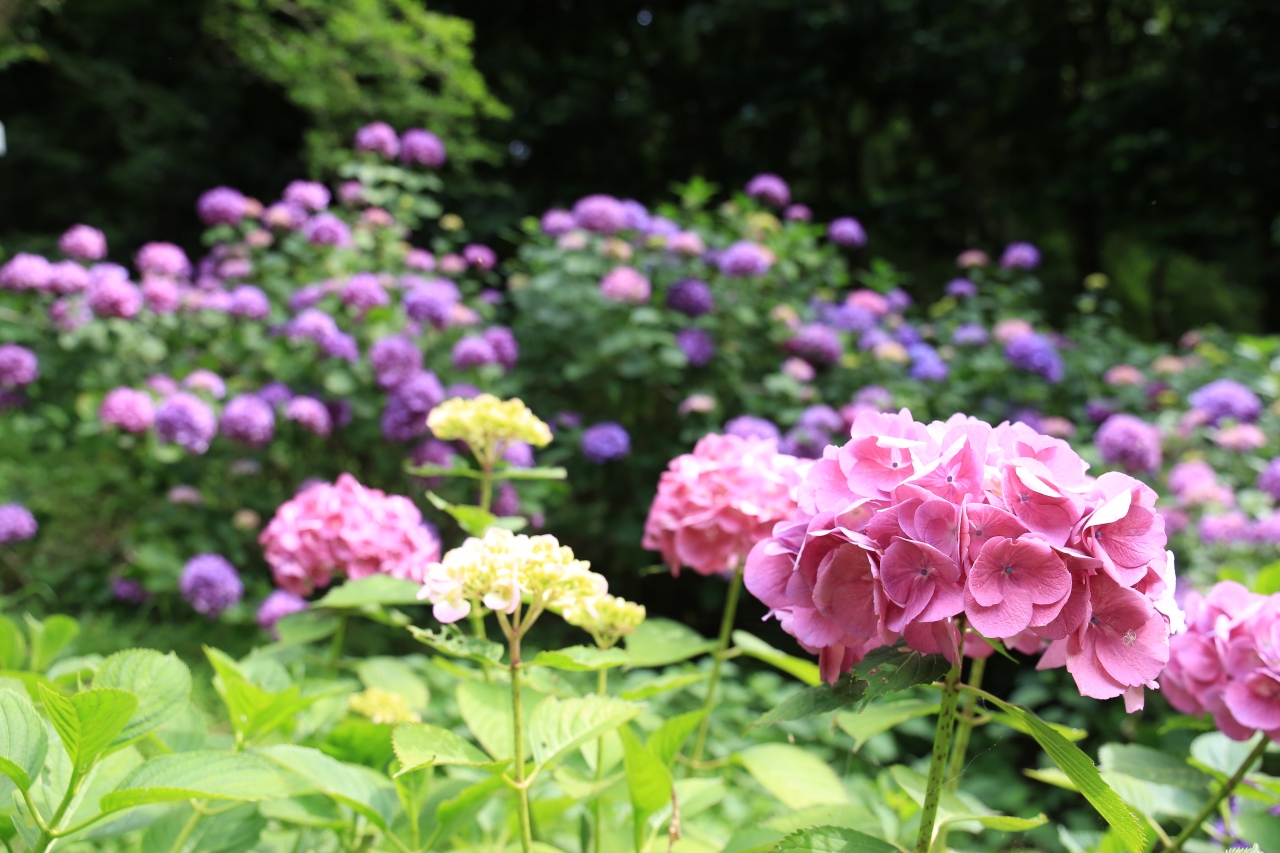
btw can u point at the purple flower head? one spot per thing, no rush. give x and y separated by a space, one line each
686 243
276 606
162 384
1099 410
744 258
635 216
770 189
307 194
250 303
907 335
351 192
160 294
602 214
506 501
691 297
1129 442
961 288
378 137
420 259
325 229
311 325
453 264
69 314
625 284
519 454
67 277
821 418
1036 354
210 584
1269 479
127 409
473 351
84 243
803 443
926 364
1225 529
1020 256
163 259
25 271
817 344
396 359
661 226
275 393
248 420
697 346
750 426
221 206
463 390
422 146
129 591
798 213
363 291
432 302
875 396
1226 398
845 317
969 335
433 451
187 421
556 222
18 366
285 215
503 341
605 442
206 381
898 300
311 414
309 295
342 346
16 523
405 416
480 257
847 231
567 420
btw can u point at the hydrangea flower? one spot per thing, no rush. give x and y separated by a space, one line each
423 147
970 258
488 425
405 416
310 195
556 222
127 409
221 206
847 231
84 243
697 346
286 215
210 584
1269 479
248 420
770 189
279 604
1036 354
114 296
744 258
129 590
378 137
325 229
605 442
311 414
690 297
1224 399
969 335
68 277
163 259
1129 442
504 344
395 359
750 426
432 302
472 351
480 257
608 619
1020 256
602 214
625 284
250 303
962 288
817 344
187 421
798 213
16 523
926 364
18 366
363 291
206 381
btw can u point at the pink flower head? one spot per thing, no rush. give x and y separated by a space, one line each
625 284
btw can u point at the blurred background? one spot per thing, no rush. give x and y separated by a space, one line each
1137 138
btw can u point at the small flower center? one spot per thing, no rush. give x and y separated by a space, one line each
950 479
1008 570
924 573
1097 534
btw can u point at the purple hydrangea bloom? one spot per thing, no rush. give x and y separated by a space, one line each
1269 479
605 442
325 229
503 341
405 416
1099 410
473 351
210 584
803 443
248 420
969 335
821 418
128 409
396 359
1226 398
875 396
207 381
162 295
697 346
481 257
84 243
464 390
661 226
420 259
926 364
847 231
250 303
846 318
378 137
187 421
1020 256
311 325
308 296
284 214
433 451
163 259
275 607
311 414
817 344
907 335
691 297
635 215
341 345
602 214
506 501
1129 442
422 146
221 206
129 591
363 291
67 277
519 454
898 300
1036 354
25 271
16 523
744 258
69 314
308 194
113 296
18 366
961 288
625 284
432 302
556 222
1224 529
798 213
770 189
750 426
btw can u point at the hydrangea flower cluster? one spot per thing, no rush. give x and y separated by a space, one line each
16 523
487 425
605 442
210 584
608 619
346 527
910 530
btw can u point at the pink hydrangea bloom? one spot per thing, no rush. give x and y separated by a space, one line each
346 527
910 530
625 284
714 504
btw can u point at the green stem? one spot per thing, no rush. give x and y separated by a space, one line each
965 728
602 688
517 718
478 629
726 630
187 828
48 831
335 647
1191 828
486 485
938 763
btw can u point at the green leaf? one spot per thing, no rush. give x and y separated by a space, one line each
423 745
49 638
581 659
472 519
881 717
314 810
456 811
23 739
795 776
668 738
254 711
88 722
374 589
13 645
833 839
187 775
1260 828
1151 765
368 792
530 474
486 709
307 626
162 684
890 669
394 676
805 670
560 725
651 687
1000 823
1220 754
958 809
648 781
232 831
658 642
450 642
813 701
848 815
1018 724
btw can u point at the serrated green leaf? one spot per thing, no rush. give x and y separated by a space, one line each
581 659
1150 765
668 738
473 520
662 684
88 722
648 782
13 645
23 739
367 791
254 710
1220 754
457 645
394 676
374 589
891 669
232 831
423 745
187 775
314 810
659 642
557 726
486 709
797 777
833 839
162 684
1017 724
49 638
881 717
805 670
813 701
307 626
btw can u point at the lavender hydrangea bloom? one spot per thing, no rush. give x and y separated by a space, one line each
308 194
661 226
465 390
556 222
1269 478
961 288
16 523
821 418
276 606
846 318
480 257
311 325
506 501
433 451
926 364
250 303
18 366
898 300
1036 354
770 189
969 335
602 214
817 344
697 346
432 302
1226 398
185 420
308 296
129 591
325 229
128 409
84 243
750 426
311 414
221 206
378 137
635 215
691 297
248 420
395 359
67 277
161 295
847 231
210 584
420 259
605 442
803 443
503 341
274 393
422 146
113 296
25 271
405 416
206 381
625 284
67 315
1129 442
798 213
744 258
907 335
284 214
519 454
163 259
1099 410
363 291
1020 256
342 346
473 351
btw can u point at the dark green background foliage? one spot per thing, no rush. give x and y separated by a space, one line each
1133 137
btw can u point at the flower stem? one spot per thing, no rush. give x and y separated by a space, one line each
486 485
602 688
1210 807
517 720
335 648
938 763
726 630
965 727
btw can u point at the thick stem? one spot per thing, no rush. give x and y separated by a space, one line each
965 727
726 630
938 763
486 485
602 688
517 731
1194 826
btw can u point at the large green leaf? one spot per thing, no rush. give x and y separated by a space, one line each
23 739
254 710
423 745
833 839
890 669
668 738
658 642
581 659
557 726
450 642
472 519
394 676
13 645
366 791
648 781
374 589
1219 754
486 709
307 626
795 776
660 684
1151 765
315 810
204 775
454 812
813 701
49 638
805 670
871 721
88 722
162 684
1260 828
231 831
